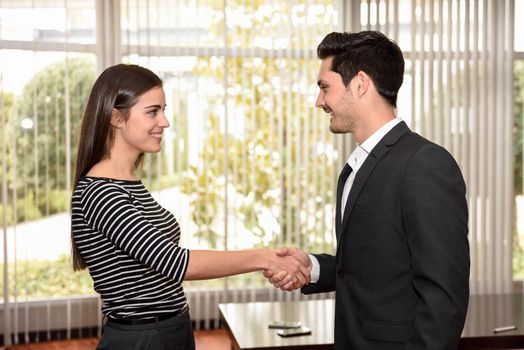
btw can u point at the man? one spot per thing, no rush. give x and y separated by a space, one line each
401 268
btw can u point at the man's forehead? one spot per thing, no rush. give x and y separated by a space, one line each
326 63
325 72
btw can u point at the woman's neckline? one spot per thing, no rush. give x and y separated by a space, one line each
112 179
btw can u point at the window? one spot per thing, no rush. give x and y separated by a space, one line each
248 160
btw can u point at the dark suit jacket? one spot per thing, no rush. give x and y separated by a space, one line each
401 269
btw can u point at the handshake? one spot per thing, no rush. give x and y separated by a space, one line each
290 269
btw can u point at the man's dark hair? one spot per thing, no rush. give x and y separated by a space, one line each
369 51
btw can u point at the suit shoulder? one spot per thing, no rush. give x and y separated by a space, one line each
419 151
418 143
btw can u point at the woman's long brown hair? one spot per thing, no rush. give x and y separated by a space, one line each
118 87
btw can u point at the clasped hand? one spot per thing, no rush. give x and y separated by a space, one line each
292 269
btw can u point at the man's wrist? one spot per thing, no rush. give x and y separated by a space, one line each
315 269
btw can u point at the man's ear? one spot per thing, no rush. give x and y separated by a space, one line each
117 119
363 81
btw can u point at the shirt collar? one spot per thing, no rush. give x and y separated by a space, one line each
362 150
372 141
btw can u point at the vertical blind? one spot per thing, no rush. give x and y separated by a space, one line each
248 160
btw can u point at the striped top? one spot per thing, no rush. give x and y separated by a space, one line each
130 245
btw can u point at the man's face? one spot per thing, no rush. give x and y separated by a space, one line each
336 99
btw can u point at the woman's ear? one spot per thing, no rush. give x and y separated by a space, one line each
117 119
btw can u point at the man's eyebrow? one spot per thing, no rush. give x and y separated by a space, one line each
320 82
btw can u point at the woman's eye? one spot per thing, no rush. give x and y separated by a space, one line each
153 113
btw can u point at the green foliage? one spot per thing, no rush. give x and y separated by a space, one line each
258 181
518 253
265 160
41 165
517 128
37 278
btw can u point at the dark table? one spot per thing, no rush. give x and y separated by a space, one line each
486 312
247 323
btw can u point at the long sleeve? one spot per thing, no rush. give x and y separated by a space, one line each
109 209
326 281
435 214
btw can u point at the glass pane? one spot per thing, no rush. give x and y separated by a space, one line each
38 159
519 25
48 21
248 160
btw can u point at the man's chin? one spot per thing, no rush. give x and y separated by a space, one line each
336 130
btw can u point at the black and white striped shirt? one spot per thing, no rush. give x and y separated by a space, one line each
130 245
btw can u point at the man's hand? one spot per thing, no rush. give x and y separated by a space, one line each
282 279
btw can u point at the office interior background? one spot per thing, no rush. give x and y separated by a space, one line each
248 160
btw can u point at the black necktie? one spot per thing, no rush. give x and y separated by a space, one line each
340 188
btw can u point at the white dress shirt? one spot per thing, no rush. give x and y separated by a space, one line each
355 161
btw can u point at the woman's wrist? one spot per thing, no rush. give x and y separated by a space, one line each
266 259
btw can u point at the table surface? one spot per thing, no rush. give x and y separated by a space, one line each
247 323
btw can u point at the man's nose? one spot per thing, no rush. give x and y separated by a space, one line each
320 100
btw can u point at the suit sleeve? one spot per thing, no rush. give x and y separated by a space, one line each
435 216
326 281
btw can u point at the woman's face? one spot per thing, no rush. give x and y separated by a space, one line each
142 131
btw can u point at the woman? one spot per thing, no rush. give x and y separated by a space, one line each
124 237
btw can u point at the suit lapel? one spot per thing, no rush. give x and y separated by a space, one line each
365 170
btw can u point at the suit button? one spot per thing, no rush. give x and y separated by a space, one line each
340 274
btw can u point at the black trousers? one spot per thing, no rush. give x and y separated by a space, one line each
175 333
